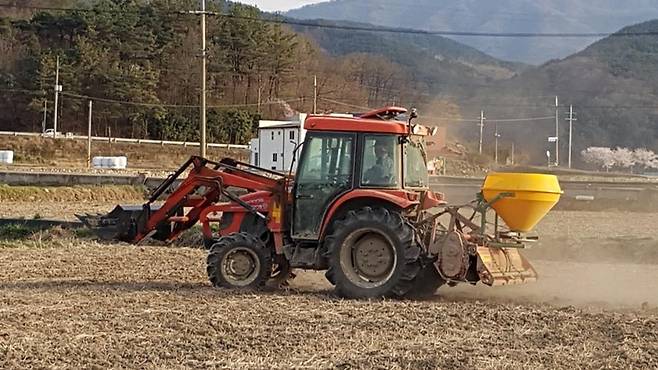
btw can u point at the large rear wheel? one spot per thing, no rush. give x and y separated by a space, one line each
372 253
239 261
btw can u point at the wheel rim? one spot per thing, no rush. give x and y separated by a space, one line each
368 258
240 266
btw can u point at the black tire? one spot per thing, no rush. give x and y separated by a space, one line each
385 247
239 261
282 273
426 283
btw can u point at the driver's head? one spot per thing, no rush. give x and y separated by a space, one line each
382 148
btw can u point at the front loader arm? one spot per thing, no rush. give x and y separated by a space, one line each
206 182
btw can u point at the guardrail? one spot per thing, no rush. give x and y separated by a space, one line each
126 140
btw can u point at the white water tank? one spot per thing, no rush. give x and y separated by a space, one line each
120 162
6 156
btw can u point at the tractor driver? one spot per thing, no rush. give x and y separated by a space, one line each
382 172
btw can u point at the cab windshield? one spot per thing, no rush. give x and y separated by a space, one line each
415 163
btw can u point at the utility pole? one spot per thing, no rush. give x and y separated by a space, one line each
204 60
259 92
89 137
58 88
45 115
496 136
315 94
570 119
481 129
513 153
203 79
557 133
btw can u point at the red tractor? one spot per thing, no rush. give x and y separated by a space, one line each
359 207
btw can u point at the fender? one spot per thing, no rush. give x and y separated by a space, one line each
401 198
260 200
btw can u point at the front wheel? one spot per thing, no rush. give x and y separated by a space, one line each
372 253
239 261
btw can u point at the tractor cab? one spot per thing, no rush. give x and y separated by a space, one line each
374 159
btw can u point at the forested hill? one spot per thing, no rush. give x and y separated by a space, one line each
499 16
140 64
139 60
612 85
436 64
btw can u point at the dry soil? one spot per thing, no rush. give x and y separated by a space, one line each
72 303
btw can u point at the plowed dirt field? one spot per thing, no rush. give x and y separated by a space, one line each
74 303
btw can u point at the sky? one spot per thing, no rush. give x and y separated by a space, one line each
279 5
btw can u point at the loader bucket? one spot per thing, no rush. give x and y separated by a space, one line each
504 266
530 198
122 223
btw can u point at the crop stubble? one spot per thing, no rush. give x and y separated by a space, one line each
84 304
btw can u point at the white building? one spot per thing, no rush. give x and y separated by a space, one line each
276 141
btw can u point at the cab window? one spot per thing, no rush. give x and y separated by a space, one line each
325 173
381 161
415 164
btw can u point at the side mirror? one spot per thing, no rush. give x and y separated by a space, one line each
295 148
413 114
294 155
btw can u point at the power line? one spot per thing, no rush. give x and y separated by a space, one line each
81 10
271 102
511 120
292 100
440 33
292 22
155 105
468 13
344 104
500 120
113 101
35 92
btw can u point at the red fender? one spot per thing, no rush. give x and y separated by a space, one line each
400 198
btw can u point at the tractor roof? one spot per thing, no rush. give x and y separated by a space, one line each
377 121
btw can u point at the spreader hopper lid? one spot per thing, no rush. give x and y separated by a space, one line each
531 196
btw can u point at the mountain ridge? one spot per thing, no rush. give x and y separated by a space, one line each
503 16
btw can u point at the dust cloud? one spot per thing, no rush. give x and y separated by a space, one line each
575 283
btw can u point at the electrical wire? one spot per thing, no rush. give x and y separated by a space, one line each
449 119
486 120
113 101
293 100
511 120
410 31
155 105
80 10
292 22
344 104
